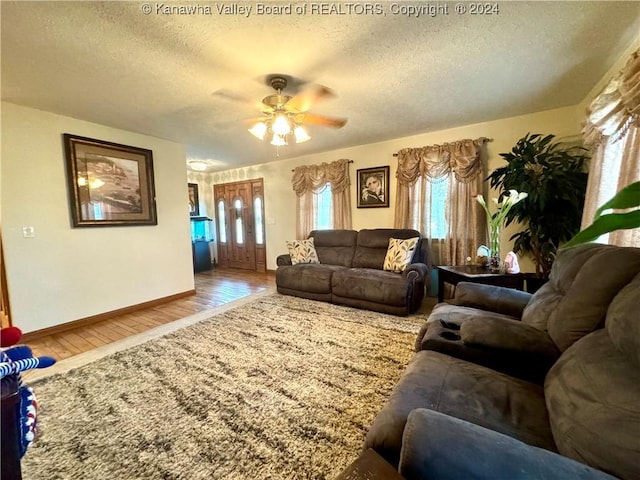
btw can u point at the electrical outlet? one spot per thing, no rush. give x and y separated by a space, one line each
28 232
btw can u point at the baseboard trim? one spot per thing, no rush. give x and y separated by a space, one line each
83 322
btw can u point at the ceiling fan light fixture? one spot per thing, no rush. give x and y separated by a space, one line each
301 134
281 125
258 130
278 140
284 117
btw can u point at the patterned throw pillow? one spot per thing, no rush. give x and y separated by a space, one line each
302 251
399 254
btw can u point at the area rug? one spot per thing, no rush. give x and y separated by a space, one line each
278 388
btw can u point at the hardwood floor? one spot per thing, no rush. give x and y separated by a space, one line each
213 288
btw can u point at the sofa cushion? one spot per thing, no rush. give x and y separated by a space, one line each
541 306
463 390
622 320
400 253
372 246
302 251
593 398
335 247
312 277
371 285
572 304
439 446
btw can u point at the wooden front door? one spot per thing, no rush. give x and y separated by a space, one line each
240 210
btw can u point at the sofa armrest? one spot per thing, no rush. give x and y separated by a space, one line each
500 343
489 297
417 270
283 260
435 445
502 334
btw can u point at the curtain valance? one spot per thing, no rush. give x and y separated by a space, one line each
311 178
617 107
463 158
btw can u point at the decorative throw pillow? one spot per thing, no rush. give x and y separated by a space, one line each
302 251
399 254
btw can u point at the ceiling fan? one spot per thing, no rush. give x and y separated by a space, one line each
284 117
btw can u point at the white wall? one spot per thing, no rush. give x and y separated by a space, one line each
280 199
65 273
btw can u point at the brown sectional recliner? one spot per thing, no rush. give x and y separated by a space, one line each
565 379
351 272
522 334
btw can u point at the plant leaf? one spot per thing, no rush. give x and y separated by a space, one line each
628 197
605 224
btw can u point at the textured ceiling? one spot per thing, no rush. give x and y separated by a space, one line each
394 75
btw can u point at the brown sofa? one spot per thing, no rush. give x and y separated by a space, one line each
583 324
350 272
522 334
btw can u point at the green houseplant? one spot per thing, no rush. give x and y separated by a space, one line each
553 176
603 222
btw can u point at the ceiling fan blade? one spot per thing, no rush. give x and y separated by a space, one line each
236 97
304 100
313 119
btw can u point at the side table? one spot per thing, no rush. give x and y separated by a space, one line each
369 466
476 274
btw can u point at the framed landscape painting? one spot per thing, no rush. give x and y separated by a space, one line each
373 187
109 184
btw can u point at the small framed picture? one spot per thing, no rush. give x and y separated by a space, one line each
194 201
109 184
373 187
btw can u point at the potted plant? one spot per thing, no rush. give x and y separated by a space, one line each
553 176
606 221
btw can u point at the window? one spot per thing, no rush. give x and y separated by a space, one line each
438 207
323 197
323 209
258 221
612 132
222 222
613 171
436 185
239 226
428 204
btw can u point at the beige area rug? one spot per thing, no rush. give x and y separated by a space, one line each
276 388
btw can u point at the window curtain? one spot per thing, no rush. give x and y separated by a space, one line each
308 180
612 131
460 164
